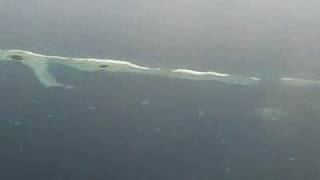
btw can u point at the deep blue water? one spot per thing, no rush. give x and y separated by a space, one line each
102 130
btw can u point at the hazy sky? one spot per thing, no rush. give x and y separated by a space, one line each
205 34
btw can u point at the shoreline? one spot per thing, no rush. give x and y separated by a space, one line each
39 64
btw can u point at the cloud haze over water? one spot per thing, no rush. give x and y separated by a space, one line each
244 36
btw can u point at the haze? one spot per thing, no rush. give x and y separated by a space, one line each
246 36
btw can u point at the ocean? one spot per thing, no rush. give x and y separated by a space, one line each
126 126
119 126
248 37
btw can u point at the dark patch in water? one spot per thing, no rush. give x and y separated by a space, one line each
16 57
103 66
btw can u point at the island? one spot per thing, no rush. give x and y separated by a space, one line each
39 64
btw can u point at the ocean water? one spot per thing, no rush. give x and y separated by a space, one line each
125 126
251 37
128 126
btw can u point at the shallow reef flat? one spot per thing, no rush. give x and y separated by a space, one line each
39 64
272 114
